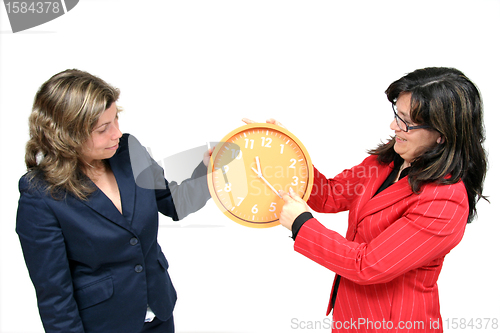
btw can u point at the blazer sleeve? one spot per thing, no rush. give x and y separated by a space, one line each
174 200
431 226
44 251
191 194
333 195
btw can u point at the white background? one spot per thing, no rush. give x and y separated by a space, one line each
190 70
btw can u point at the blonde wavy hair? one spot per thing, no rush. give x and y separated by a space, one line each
66 109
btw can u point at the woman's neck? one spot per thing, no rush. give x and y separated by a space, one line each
95 169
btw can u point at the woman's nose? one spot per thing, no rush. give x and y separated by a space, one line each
116 131
394 126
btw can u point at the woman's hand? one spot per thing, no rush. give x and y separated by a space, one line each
293 207
206 156
269 121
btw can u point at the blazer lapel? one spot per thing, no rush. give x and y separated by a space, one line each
371 186
122 169
98 201
384 199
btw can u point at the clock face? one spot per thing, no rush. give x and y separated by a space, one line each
250 166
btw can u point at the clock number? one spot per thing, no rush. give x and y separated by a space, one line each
266 142
254 209
224 169
236 153
293 160
295 181
249 141
240 200
282 148
227 188
273 207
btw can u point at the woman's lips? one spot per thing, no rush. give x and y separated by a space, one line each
400 139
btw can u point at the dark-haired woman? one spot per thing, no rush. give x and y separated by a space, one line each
408 203
88 214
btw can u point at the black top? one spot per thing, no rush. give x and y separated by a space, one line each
391 179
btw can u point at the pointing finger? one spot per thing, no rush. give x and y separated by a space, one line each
286 196
294 195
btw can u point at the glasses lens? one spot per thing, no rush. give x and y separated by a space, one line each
400 122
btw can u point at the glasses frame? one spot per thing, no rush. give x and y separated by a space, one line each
400 121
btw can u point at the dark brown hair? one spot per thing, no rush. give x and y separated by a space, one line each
447 101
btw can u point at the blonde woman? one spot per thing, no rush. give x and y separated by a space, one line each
87 229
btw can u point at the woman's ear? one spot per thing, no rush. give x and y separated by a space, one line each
440 140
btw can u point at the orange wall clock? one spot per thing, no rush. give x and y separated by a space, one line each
249 167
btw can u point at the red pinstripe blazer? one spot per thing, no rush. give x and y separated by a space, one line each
393 251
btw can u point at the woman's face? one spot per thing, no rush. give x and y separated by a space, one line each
409 145
103 141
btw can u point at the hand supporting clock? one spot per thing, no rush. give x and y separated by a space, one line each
269 121
259 174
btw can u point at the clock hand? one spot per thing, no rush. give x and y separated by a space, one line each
272 188
258 165
265 181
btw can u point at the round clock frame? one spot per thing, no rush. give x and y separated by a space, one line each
249 167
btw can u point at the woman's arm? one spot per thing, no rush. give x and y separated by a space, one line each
333 195
173 199
44 251
192 194
428 229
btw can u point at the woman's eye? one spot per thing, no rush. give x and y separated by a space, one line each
409 122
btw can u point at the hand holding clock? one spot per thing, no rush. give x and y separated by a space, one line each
206 156
269 121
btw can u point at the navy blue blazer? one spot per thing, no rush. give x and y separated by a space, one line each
96 270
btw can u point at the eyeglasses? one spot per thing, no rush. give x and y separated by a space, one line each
402 124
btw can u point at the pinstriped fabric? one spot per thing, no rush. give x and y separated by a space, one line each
393 251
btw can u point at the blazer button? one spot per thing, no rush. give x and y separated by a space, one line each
138 268
134 241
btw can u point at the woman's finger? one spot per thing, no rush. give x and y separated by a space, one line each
248 121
